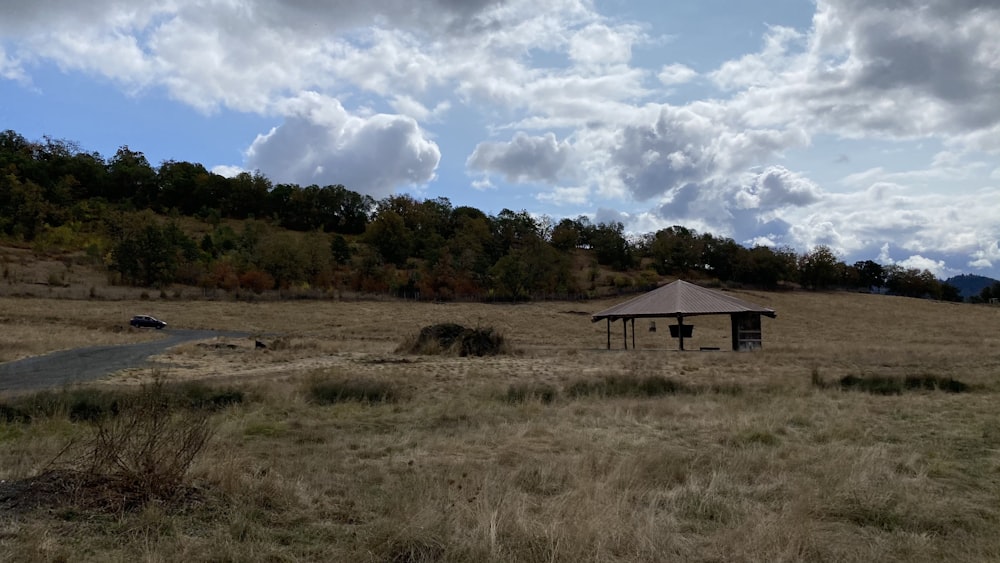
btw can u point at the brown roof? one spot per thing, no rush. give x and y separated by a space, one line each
681 298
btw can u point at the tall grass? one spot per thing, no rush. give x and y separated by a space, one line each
657 456
328 391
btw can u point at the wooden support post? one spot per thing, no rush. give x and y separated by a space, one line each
625 333
609 333
680 330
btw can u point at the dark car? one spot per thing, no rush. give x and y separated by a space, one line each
145 321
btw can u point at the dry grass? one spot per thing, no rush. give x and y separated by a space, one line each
771 468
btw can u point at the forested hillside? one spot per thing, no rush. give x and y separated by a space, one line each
182 224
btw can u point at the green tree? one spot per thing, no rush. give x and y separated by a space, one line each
130 177
677 249
340 250
535 269
610 246
722 256
146 254
767 267
820 268
567 234
246 196
23 208
387 234
514 230
870 274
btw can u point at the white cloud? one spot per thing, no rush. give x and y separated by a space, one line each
987 255
579 195
918 262
321 143
673 74
10 68
777 187
598 45
408 106
227 170
899 69
662 152
609 216
523 159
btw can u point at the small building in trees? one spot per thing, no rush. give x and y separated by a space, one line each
680 300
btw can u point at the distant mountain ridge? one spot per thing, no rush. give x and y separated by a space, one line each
970 285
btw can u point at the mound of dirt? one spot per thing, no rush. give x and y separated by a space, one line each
457 340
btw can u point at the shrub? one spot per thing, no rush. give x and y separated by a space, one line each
328 392
197 395
13 414
455 339
143 452
257 281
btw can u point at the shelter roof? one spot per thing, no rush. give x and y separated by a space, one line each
680 299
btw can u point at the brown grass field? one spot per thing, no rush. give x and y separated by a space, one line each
756 456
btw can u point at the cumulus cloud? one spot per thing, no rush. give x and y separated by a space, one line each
599 44
899 69
777 187
609 216
676 73
987 255
523 159
918 262
406 105
227 170
691 145
321 143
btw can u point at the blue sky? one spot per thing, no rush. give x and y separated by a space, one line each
869 126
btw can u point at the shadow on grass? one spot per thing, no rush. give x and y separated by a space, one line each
88 404
889 385
650 386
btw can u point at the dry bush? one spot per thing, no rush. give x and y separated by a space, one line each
456 340
144 450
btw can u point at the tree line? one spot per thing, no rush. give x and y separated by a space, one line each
127 215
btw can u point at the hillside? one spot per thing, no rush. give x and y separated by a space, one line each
970 285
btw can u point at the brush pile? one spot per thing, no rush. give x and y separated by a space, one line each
455 340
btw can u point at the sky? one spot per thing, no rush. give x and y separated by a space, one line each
868 126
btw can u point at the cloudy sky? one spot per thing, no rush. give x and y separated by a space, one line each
870 126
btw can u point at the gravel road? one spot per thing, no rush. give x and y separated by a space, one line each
85 364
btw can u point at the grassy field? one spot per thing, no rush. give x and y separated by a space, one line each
343 449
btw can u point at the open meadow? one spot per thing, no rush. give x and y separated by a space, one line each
867 429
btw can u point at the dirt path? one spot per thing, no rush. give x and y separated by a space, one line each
86 364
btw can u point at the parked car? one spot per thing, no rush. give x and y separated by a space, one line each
145 321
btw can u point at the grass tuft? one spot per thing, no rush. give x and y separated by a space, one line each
627 386
89 404
328 391
525 392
